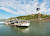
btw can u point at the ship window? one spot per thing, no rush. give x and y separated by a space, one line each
10 21
16 22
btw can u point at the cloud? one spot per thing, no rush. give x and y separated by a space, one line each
7 10
24 7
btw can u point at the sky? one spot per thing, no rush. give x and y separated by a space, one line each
14 8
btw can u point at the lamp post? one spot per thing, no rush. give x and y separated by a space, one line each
39 15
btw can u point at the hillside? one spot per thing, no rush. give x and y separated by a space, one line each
29 17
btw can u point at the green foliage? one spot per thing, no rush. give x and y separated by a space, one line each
29 17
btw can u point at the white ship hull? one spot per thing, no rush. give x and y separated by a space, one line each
22 24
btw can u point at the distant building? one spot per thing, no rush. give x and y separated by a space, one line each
47 18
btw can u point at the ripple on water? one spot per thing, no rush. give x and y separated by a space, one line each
35 29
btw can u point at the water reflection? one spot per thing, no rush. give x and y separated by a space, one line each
43 28
40 23
1 26
36 28
22 29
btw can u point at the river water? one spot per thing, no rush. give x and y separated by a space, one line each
36 28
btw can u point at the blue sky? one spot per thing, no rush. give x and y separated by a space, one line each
14 8
6 15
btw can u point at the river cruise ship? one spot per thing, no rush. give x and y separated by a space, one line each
18 22
22 23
